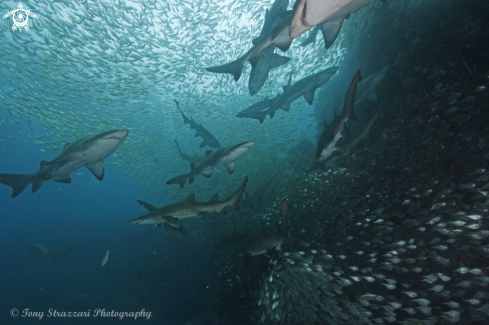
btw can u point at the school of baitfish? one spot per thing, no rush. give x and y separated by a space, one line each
376 234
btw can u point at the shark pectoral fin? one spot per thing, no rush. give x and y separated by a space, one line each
278 60
18 182
214 198
191 179
309 97
281 39
230 167
97 169
283 43
62 178
254 59
235 68
330 30
372 97
172 221
203 144
285 107
37 183
222 211
207 173
148 206
180 180
42 164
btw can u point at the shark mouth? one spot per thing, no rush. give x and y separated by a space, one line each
303 20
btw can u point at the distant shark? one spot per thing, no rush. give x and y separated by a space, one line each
330 14
268 60
267 242
332 133
41 251
189 208
278 36
361 136
89 152
305 87
195 159
209 139
172 225
225 156
259 110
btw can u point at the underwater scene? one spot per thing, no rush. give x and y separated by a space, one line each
203 162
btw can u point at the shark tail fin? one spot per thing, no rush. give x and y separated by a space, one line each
235 68
180 180
18 182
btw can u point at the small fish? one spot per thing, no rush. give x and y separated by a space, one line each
106 258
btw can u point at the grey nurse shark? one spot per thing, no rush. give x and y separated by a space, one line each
89 152
278 36
305 87
189 208
267 242
259 110
333 132
171 224
330 14
225 156
268 59
201 131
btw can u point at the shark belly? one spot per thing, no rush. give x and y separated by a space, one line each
330 148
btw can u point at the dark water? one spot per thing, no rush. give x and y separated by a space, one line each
423 165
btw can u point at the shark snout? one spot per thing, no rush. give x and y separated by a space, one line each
120 135
247 145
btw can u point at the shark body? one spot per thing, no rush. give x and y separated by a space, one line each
225 156
89 152
266 242
268 59
332 133
330 14
305 87
169 223
201 131
278 36
189 208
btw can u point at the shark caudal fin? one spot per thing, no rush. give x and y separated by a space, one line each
18 182
235 68
180 180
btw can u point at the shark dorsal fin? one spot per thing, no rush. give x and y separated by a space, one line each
190 198
43 163
208 153
66 145
214 198
192 166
